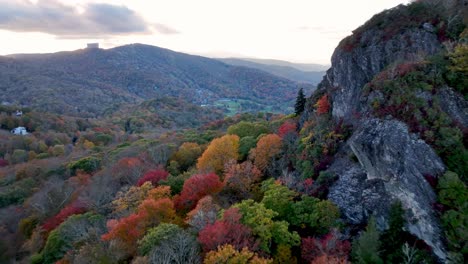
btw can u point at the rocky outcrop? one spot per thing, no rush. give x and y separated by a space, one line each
352 69
356 196
392 165
454 105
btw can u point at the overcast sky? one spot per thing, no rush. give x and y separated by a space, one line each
293 30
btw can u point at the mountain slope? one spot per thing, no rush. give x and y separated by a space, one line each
397 86
288 71
307 67
131 73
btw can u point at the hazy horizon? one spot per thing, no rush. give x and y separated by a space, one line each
298 32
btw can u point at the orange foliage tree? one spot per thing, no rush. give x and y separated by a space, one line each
158 211
323 105
267 147
127 230
219 152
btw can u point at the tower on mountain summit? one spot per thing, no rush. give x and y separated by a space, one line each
92 46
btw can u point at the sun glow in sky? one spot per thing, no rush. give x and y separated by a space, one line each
293 30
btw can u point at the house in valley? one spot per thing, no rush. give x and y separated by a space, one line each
19 131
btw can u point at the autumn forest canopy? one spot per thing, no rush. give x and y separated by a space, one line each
215 164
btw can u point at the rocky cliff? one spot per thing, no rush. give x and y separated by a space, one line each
351 70
393 158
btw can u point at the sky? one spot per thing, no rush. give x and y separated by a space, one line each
305 31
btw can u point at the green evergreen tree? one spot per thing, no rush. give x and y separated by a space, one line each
300 102
394 237
453 194
366 247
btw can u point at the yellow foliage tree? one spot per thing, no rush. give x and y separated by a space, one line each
88 144
267 147
227 254
187 155
283 255
131 199
459 59
219 152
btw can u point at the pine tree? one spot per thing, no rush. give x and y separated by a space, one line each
300 102
366 247
394 237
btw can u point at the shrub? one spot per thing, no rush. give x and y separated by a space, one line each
19 156
87 164
27 225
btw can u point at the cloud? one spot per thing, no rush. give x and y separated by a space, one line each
163 29
94 20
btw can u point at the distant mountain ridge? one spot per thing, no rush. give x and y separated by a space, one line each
308 73
87 82
300 66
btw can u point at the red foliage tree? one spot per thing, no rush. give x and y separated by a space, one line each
3 163
195 188
323 105
71 209
286 128
227 231
329 246
308 186
153 176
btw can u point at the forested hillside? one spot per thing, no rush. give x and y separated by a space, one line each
89 82
291 72
371 168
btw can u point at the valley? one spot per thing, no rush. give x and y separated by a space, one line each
140 154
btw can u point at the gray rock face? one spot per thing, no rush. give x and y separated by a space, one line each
392 167
351 70
454 105
357 196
